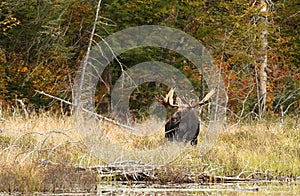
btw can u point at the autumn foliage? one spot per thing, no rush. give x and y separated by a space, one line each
42 44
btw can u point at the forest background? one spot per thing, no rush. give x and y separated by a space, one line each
255 44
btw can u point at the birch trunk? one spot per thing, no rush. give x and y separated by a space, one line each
264 59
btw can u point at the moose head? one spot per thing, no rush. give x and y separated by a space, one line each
184 124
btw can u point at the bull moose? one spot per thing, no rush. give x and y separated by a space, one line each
184 123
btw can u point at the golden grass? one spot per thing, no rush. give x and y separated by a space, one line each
258 150
40 154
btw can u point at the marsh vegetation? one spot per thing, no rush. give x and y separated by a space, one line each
43 44
45 153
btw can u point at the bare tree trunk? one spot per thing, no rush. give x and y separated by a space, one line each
84 81
264 59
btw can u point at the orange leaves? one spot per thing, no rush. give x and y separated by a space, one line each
24 69
80 9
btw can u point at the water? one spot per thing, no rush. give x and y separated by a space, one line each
259 188
146 188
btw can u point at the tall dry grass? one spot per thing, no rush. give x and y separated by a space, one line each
260 150
41 153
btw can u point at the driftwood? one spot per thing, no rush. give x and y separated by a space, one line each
127 170
138 171
87 111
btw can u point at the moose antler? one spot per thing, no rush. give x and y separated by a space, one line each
206 98
168 99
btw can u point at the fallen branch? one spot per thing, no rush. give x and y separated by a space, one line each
138 171
85 110
230 179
